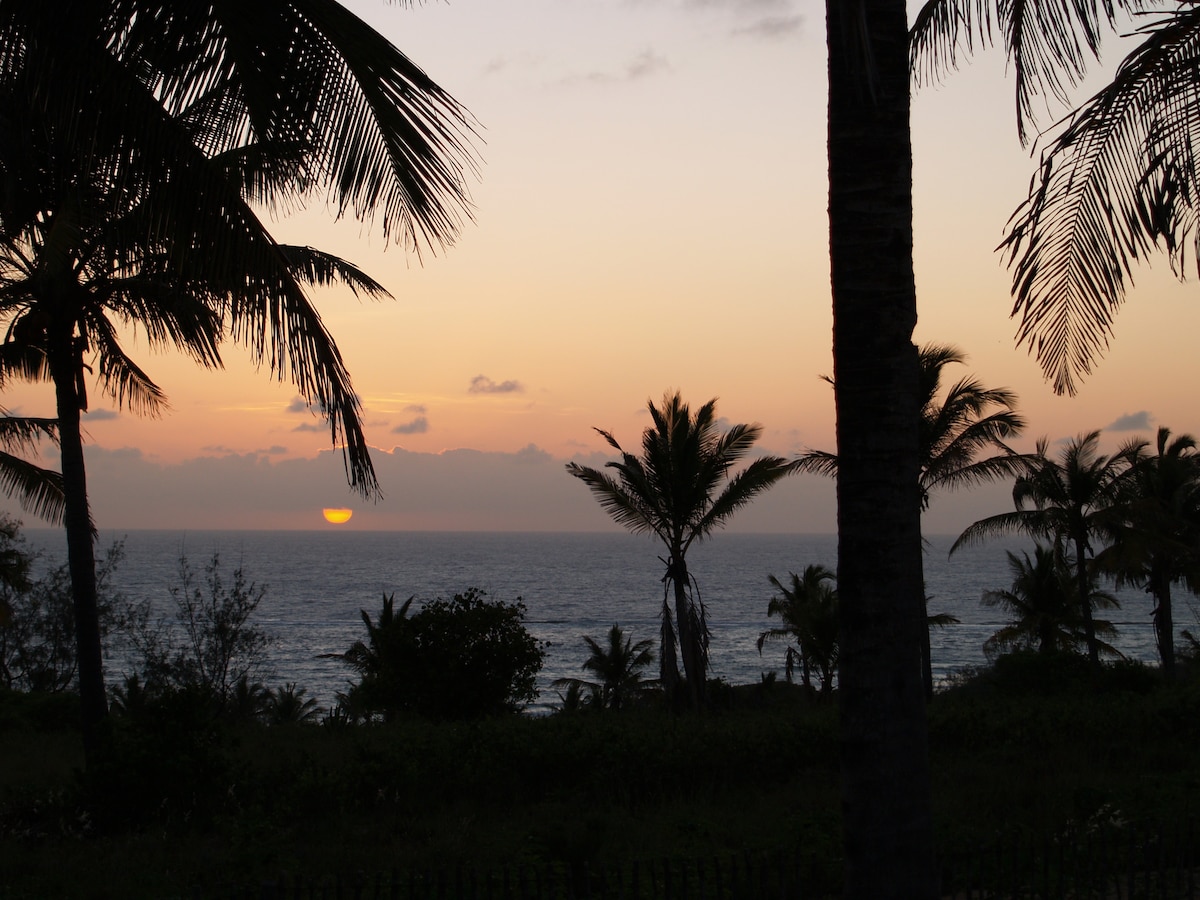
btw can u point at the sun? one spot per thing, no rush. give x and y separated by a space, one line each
337 516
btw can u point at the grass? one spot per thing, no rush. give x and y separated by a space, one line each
194 803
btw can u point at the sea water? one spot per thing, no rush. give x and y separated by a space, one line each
572 584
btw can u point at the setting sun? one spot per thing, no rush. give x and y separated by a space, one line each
337 516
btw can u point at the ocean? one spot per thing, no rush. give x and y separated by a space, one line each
573 584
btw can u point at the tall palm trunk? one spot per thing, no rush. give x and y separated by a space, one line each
887 817
926 648
690 640
66 365
1164 620
1085 602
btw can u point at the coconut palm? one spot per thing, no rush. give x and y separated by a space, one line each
1044 601
808 614
380 662
618 666
1065 500
887 810
154 105
962 444
681 489
1155 534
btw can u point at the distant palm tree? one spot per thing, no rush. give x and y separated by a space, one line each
680 490
808 612
1155 533
288 705
962 444
1045 602
380 662
618 666
1065 501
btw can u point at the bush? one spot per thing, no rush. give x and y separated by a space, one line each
461 658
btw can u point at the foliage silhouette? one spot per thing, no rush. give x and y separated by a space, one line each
1154 533
100 226
1044 599
681 489
462 658
1067 501
617 665
1117 178
808 612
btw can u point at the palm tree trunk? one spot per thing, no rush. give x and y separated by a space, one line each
1085 602
887 816
1164 622
66 366
926 649
689 638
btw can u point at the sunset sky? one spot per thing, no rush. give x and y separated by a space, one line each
649 214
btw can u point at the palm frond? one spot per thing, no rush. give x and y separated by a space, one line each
38 490
1114 182
319 268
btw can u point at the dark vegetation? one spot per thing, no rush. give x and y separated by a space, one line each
1031 746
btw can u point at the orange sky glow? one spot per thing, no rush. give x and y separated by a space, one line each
650 215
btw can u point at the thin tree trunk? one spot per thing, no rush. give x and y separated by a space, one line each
887 815
66 366
926 649
1085 601
1164 622
689 638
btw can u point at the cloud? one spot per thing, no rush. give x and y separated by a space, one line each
461 490
772 27
1138 421
298 405
316 427
419 408
274 450
481 384
101 415
419 425
645 65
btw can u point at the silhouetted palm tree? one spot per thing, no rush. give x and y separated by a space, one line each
1045 602
133 136
808 613
1155 533
1066 501
681 489
380 662
618 666
956 431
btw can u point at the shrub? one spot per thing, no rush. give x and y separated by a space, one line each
461 658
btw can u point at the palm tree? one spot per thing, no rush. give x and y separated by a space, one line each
117 115
955 430
617 666
887 814
808 613
1067 501
1155 535
681 490
1045 603
381 662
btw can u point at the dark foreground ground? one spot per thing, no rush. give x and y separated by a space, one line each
1033 754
